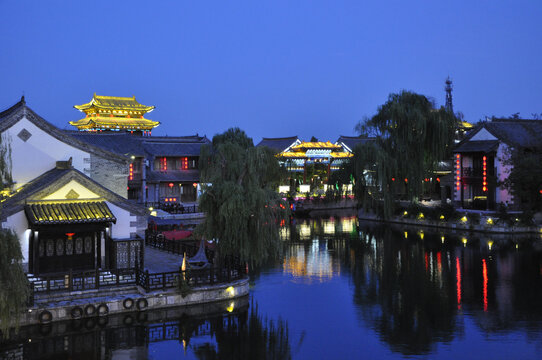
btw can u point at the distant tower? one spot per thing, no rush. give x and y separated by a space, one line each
449 105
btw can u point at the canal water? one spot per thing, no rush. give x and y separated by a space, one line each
343 290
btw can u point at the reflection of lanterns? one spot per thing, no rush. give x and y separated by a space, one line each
231 307
70 235
489 244
464 241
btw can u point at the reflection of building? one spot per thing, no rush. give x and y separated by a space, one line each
311 263
69 209
479 166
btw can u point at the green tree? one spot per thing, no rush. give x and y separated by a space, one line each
411 136
524 179
242 208
13 282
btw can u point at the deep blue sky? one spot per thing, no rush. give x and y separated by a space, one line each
273 68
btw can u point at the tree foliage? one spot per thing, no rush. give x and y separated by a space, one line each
242 209
411 137
524 179
13 282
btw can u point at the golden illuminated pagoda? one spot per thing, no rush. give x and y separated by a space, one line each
113 113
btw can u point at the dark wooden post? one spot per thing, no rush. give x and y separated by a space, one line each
97 274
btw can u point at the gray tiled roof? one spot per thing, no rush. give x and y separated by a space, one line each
127 144
54 179
524 133
514 132
353 141
278 144
484 146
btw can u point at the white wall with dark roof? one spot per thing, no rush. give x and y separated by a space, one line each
39 153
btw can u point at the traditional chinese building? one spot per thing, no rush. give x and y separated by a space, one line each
113 113
481 161
162 170
308 160
68 203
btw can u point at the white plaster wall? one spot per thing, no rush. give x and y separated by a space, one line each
483 134
61 193
122 229
18 223
502 171
40 153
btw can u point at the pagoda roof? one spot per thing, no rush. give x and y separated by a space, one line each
114 122
114 103
316 145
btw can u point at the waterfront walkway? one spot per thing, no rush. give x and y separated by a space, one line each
158 261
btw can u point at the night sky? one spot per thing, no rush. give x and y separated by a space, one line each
273 68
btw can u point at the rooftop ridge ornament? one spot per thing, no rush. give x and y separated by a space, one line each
114 113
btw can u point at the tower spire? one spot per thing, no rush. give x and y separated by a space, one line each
448 88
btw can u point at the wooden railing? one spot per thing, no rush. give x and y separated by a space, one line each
158 241
174 208
98 279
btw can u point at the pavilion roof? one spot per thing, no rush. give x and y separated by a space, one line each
68 212
115 103
316 145
114 122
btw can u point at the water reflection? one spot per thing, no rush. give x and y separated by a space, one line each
417 288
222 330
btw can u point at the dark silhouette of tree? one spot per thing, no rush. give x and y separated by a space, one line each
411 137
242 208
13 282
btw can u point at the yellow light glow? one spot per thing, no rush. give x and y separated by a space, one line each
421 235
406 213
442 239
489 221
151 208
420 216
464 219
153 213
406 235
489 244
441 217
517 246
464 241
230 290
231 307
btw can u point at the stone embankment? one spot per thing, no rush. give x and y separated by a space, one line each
486 224
101 303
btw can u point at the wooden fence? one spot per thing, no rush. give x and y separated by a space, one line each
102 279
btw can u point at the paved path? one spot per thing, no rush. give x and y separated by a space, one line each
161 261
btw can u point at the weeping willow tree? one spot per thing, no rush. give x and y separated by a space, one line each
242 209
13 282
411 137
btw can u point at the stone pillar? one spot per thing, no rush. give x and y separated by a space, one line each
102 250
35 255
